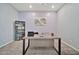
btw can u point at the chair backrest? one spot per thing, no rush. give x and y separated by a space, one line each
35 32
30 33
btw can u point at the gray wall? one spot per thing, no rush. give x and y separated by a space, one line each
29 17
68 24
7 17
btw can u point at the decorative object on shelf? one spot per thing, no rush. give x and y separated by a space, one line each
40 21
19 30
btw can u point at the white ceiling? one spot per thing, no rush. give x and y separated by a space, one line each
37 6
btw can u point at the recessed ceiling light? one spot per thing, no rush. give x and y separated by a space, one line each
53 6
30 6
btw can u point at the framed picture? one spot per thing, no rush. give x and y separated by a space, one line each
40 21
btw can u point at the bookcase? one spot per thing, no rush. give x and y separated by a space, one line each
19 30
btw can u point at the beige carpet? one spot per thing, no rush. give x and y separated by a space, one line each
15 48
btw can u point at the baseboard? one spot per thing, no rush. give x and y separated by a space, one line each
6 43
70 46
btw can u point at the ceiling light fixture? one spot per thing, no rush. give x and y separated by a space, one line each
30 6
53 6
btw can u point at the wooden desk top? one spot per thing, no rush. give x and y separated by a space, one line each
45 37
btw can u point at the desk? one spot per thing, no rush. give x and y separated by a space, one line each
41 38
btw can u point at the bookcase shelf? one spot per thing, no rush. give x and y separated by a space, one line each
19 30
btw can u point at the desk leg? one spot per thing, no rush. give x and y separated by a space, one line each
53 43
28 43
59 47
27 46
25 49
23 46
